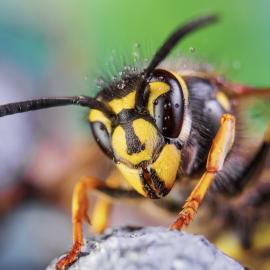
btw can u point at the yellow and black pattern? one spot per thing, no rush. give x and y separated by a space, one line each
157 124
148 160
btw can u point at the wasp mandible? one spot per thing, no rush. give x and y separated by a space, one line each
160 125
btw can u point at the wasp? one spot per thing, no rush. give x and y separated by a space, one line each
160 124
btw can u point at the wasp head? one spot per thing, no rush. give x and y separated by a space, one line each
145 143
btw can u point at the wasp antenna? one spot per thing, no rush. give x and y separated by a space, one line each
175 37
44 103
166 48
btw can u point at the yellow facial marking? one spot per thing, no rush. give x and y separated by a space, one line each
167 164
98 116
156 89
147 135
223 101
126 102
132 176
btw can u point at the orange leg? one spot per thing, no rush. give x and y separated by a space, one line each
221 146
80 206
235 90
79 214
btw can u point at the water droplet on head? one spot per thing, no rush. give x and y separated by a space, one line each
192 49
121 85
136 52
100 83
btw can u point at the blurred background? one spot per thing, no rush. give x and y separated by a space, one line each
54 48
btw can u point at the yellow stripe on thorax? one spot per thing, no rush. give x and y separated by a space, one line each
126 102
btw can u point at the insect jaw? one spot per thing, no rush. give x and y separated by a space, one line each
154 179
153 186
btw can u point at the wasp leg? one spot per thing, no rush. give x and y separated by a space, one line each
257 196
253 197
80 213
115 188
220 148
250 201
236 91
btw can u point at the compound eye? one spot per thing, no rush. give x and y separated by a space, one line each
101 129
102 138
169 107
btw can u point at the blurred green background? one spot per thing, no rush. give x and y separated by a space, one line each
51 48
80 35
64 45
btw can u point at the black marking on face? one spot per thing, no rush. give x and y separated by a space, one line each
134 144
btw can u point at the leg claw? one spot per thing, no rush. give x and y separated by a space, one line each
182 220
71 257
